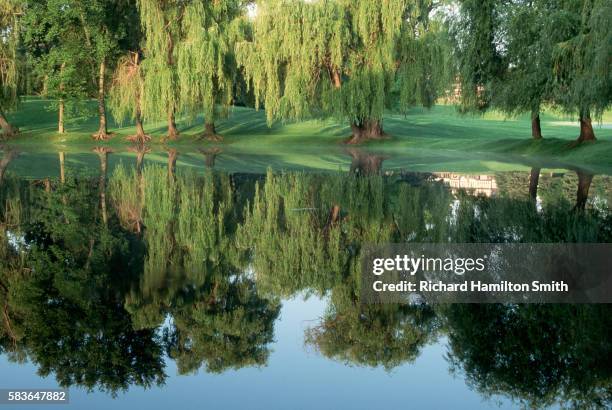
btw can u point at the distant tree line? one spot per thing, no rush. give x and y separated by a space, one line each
353 60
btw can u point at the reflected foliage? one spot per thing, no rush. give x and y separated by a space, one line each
103 279
536 354
61 311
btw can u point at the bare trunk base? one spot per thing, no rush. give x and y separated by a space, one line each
586 130
366 131
210 133
173 133
139 139
102 135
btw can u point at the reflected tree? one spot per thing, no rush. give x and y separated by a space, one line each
8 156
364 163
539 355
195 275
386 335
584 184
65 294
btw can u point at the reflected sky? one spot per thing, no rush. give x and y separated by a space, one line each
296 377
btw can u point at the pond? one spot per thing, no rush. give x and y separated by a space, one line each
151 280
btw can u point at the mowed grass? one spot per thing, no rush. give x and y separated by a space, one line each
436 139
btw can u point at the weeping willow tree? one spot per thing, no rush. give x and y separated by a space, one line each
540 356
9 37
298 235
347 59
526 82
583 77
161 20
353 332
479 63
194 272
126 94
206 66
309 229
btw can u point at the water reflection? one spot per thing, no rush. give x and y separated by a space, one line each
104 279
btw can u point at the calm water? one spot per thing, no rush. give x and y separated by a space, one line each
155 283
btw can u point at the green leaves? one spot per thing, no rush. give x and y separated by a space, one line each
338 58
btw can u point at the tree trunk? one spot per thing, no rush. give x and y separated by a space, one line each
140 132
210 132
7 129
60 126
364 163
102 134
536 129
365 130
62 161
586 128
210 156
172 155
103 155
140 137
336 79
332 219
8 156
140 161
173 133
534 178
62 105
584 183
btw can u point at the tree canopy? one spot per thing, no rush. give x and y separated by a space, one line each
343 58
521 55
351 60
10 11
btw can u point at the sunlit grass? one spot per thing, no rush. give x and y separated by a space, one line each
421 139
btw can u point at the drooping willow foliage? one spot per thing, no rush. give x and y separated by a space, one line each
190 65
160 23
206 65
345 58
582 59
522 55
289 218
195 273
127 89
9 32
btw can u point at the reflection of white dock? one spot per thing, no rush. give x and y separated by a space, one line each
474 184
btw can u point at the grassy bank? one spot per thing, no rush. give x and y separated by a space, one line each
437 136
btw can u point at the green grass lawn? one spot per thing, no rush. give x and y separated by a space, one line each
436 139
